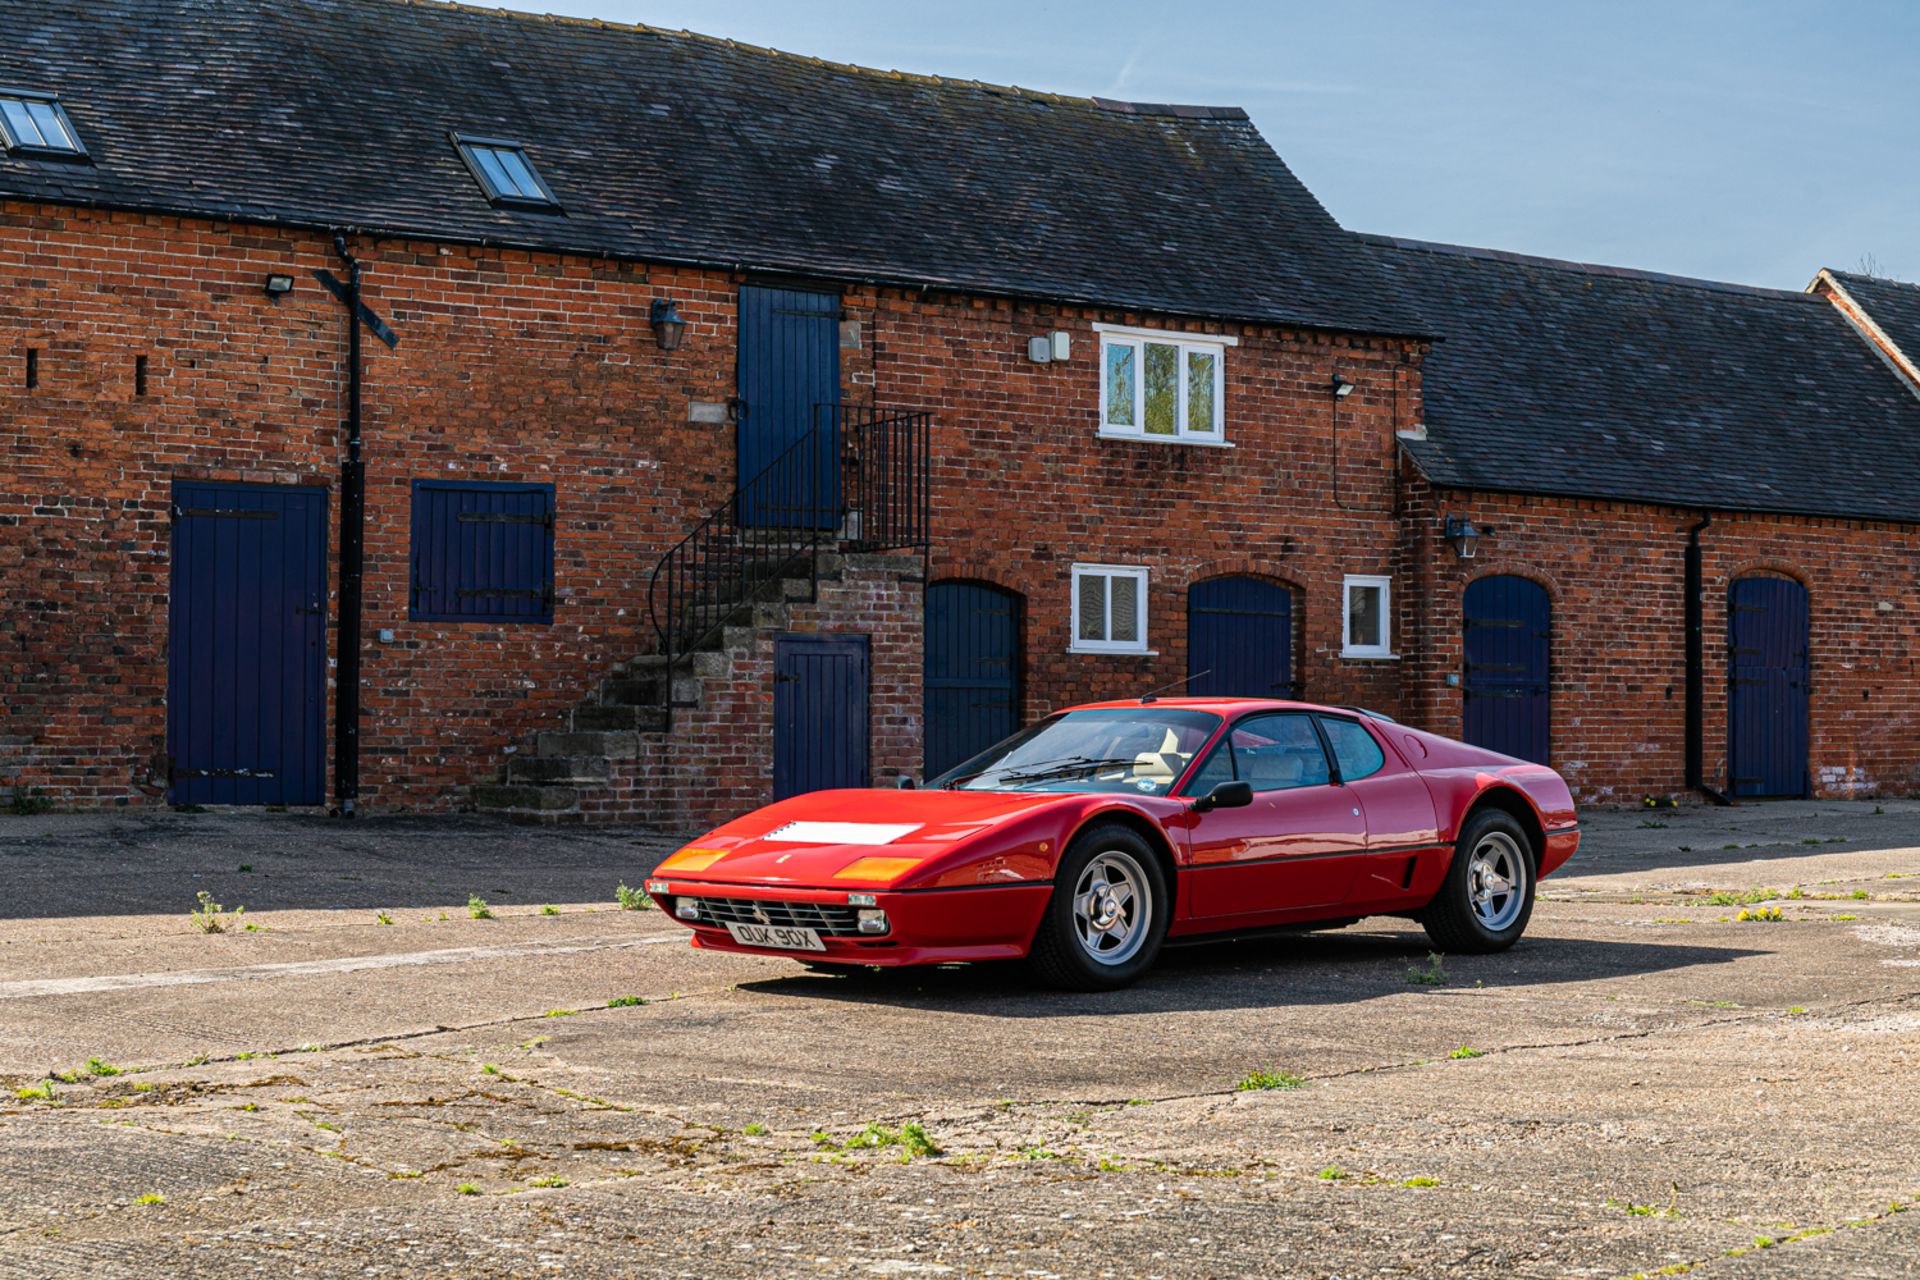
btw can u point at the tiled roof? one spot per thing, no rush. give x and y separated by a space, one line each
1891 304
1564 378
677 148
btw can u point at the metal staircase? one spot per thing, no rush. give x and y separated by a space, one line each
854 485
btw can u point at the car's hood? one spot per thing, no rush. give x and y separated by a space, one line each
857 839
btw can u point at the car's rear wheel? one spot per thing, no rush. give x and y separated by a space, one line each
1108 915
1487 898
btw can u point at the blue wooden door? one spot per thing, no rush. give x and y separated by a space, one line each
1767 693
1239 639
789 381
819 714
972 671
246 645
1507 651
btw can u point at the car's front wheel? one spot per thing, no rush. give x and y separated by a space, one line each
1487 897
1108 915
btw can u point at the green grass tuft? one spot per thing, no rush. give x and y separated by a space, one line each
1261 1078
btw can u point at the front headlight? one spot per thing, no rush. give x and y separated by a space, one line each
871 920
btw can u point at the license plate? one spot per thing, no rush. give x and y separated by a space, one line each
779 936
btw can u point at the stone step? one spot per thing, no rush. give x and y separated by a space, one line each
608 745
620 719
543 769
635 691
507 796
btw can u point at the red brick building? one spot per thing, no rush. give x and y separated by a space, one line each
757 423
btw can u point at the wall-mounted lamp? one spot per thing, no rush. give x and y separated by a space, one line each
668 327
277 285
1341 387
1460 532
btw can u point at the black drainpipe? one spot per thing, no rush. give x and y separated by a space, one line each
1696 666
353 507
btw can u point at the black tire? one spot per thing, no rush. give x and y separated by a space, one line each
1059 957
1452 919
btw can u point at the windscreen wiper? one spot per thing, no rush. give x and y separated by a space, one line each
1068 767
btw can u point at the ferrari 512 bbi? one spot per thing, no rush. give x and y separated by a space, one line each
1087 841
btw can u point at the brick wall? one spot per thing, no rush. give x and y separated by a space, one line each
1024 486
516 366
1614 573
511 366
718 761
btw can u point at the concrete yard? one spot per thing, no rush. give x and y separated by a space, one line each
1646 1084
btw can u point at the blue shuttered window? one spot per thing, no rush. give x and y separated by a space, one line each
482 552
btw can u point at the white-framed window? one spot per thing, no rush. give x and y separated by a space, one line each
1367 631
1157 385
1109 608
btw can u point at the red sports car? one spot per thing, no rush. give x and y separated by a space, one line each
1087 841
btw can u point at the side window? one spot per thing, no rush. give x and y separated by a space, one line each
1359 755
481 552
1217 769
1279 751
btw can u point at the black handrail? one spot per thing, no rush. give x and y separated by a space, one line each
858 477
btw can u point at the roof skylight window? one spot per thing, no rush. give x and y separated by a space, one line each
34 124
504 172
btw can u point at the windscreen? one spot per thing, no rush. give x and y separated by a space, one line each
1143 750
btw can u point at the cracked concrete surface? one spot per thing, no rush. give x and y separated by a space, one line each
1646 1084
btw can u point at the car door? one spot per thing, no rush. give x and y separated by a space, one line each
1402 830
1296 845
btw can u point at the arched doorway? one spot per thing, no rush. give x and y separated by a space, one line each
1239 639
1506 649
972 677
1767 686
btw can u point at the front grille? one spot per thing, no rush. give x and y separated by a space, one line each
822 918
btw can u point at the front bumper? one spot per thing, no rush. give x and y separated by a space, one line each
926 926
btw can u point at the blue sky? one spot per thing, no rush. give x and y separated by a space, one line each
1751 142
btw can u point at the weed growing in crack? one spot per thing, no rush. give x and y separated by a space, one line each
632 899
477 907
1420 1182
1434 975
151 1197
1633 1210
1333 1173
1261 1078
626 1002
1467 1051
910 1137
1759 915
547 1180
42 1092
468 1189
549 910
381 917
560 1013
755 1130
25 803
211 917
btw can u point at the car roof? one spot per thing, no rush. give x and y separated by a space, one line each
1225 706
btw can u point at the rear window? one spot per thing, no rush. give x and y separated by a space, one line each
1359 755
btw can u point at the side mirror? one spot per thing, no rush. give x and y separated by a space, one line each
1225 795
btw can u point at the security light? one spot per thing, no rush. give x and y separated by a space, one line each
1341 387
1459 531
277 285
668 327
